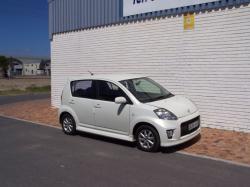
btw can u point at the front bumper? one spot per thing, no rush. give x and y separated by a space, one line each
183 139
176 125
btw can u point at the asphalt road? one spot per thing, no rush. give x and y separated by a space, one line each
26 97
33 155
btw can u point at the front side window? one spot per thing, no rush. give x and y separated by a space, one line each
83 89
109 91
146 90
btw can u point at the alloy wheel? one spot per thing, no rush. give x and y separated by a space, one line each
68 125
146 139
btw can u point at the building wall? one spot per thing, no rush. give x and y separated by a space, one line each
69 15
210 64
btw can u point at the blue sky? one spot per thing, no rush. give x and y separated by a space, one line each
24 28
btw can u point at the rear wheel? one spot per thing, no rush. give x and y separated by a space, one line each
147 139
68 124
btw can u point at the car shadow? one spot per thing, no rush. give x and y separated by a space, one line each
106 139
166 150
182 146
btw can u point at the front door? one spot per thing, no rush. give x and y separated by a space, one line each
107 114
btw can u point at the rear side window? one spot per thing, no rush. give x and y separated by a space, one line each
83 89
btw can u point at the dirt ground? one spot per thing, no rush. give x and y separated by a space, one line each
23 83
229 145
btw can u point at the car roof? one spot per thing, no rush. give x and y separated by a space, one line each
111 77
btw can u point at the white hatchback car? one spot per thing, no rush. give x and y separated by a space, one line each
128 107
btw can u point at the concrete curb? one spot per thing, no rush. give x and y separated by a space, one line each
32 122
179 152
214 158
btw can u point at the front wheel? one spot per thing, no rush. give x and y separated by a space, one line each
147 139
68 124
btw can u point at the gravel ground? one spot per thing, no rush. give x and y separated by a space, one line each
8 84
229 145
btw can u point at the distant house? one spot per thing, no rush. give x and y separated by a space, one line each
29 66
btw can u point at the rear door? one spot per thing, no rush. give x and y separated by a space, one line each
83 93
107 114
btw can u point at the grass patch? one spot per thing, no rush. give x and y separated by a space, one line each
31 89
38 89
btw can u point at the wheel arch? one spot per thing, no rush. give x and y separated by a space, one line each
67 110
139 124
62 114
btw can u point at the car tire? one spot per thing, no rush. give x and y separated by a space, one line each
68 124
147 139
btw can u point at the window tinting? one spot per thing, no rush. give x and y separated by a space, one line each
109 91
84 89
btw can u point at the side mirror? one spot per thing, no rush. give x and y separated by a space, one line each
120 100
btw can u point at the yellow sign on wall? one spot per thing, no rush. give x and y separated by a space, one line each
188 21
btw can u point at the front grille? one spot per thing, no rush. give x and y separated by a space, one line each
185 126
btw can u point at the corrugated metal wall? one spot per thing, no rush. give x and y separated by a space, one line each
69 15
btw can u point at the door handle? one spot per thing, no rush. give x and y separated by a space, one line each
72 102
98 106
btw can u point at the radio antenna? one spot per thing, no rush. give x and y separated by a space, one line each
91 73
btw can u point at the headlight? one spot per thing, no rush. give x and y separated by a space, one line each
165 114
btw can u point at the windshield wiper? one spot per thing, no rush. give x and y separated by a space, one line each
160 97
163 97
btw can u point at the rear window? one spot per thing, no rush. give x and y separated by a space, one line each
83 89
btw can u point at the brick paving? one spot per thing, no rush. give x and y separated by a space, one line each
37 111
229 145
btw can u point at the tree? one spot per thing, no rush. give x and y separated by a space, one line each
4 65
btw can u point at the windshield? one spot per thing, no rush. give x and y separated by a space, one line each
146 90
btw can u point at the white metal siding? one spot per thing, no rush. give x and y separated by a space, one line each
210 65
